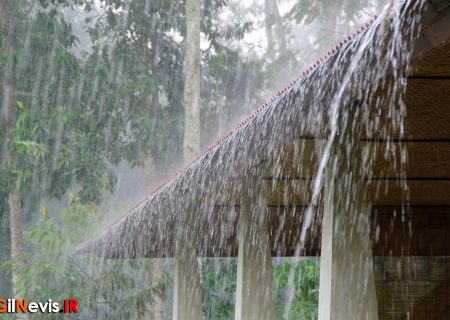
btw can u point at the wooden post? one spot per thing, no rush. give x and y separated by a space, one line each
255 299
347 286
187 300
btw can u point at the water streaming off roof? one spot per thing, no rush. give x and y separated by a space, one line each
353 153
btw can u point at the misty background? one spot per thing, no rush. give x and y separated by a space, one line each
95 101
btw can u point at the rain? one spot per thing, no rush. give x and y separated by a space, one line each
224 159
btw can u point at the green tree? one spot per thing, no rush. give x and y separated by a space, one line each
104 289
58 129
67 120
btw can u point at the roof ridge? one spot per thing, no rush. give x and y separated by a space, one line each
246 121
279 93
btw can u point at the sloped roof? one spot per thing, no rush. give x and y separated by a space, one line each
206 191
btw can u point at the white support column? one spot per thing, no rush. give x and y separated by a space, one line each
187 300
347 286
255 299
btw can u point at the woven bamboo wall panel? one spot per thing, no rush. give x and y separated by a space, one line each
436 64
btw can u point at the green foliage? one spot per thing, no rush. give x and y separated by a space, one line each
219 287
72 124
305 282
50 271
77 117
110 288
49 131
127 299
311 10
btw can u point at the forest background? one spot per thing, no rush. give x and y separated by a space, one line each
102 100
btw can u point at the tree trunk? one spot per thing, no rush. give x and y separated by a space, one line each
5 255
191 143
191 148
273 18
15 225
279 29
9 116
268 23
